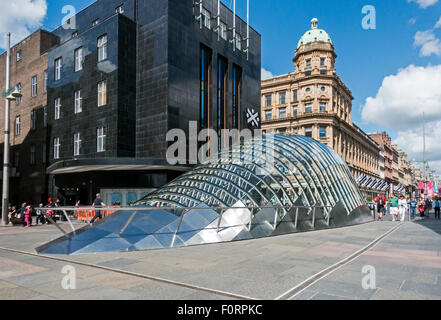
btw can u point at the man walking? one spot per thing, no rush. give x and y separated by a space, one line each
412 208
436 206
381 201
97 203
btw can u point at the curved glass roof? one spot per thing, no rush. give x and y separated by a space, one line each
274 169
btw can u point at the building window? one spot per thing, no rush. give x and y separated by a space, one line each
222 66
33 155
119 9
322 106
19 55
102 48
206 18
33 120
238 40
77 103
44 153
322 131
322 62
323 89
282 98
45 117
16 158
205 69
78 54
57 148
95 22
17 125
57 108
282 131
34 86
45 81
100 140
237 85
282 113
308 90
102 93
308 64
268 115
308 108
295 112
294 96
268 101
295 131
223 30
58 63
308 132
77 144
18 100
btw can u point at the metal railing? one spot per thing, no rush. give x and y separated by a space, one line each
180 212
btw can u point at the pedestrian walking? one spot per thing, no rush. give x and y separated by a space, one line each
402 207
394 207
437 207
412 208
27 215
40 215
381 201
421 207
97 203
427 207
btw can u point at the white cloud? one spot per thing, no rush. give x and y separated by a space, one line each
19 17
399 105
402 98
411 141
266 74
424 3
438 24
413 20
428 42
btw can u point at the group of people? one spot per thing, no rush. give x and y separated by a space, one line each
399 206
24 214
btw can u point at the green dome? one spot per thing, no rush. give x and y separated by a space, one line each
314 35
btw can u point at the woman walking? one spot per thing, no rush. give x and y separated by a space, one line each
402 207
421 208
27 214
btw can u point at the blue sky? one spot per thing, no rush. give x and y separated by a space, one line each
365 57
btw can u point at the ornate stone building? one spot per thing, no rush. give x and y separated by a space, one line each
314 102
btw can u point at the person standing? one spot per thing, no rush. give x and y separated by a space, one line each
394 207
427 207
40 215
437 207
421 207
97 203
412 208
381 201
402 207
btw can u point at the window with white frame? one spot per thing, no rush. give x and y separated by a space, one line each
58 63
19 55
268 115
102 93
33 155
17 125
78 102
18 100
33 119
238 40
100 139
282 113
223 30
102 48
268 101
308 131
45 117
282 98
119 9
57 108
77 144
56 148
308 108
34 86
322 106
78 55
206 18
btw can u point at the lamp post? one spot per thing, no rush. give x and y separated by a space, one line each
10 95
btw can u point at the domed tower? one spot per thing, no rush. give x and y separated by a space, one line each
315 52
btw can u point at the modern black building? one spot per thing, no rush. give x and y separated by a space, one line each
127 72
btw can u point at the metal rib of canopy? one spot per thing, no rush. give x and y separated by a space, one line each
301 170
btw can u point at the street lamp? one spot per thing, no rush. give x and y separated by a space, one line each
11 94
